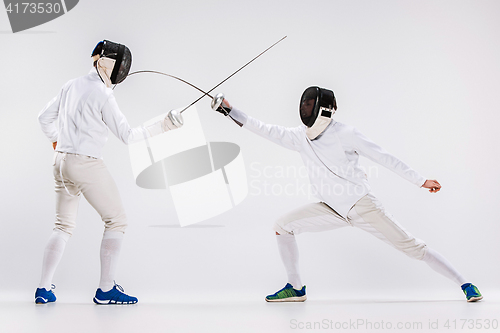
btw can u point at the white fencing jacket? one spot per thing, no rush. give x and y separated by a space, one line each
332 159
85 108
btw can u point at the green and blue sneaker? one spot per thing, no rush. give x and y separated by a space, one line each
471 292
43 295
288 294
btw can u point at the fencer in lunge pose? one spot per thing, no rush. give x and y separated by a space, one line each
330 151
76 121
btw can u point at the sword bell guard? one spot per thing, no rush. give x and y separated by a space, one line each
217 101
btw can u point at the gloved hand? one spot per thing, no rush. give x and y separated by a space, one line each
220 104
173 120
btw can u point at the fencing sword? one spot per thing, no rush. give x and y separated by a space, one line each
215 87
176 116
172 76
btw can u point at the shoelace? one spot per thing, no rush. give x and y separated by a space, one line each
52 286
119 287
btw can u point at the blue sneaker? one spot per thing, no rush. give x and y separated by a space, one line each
114 296
471 292
43 295
288 294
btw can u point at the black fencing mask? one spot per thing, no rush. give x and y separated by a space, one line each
317 105
113 61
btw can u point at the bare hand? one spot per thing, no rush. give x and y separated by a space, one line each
432 185
54 144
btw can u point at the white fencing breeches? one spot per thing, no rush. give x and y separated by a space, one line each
90 177
367 214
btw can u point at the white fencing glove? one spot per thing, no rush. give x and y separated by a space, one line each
172 120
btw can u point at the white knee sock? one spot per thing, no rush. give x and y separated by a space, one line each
441 265
110 252
289 252
52 256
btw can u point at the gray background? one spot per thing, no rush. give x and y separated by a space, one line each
420 78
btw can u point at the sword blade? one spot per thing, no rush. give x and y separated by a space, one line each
215 87
175 77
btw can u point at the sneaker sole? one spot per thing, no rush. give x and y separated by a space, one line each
41 300
475 299
288 299
111 302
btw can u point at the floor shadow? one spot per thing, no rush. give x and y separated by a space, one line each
194 226
382 301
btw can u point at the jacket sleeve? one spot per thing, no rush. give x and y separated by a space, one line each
365 147
118 124
48 116
284 136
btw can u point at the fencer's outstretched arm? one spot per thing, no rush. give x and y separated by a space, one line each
374 152
283 136
287 137
110 115
118 124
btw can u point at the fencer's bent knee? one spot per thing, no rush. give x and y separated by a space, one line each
118 223
114 224
67 228
280 224
311 217
65 222
278 227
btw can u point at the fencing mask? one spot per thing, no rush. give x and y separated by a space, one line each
112 62
317 105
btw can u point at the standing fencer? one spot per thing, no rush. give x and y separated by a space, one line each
331 152
76 121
